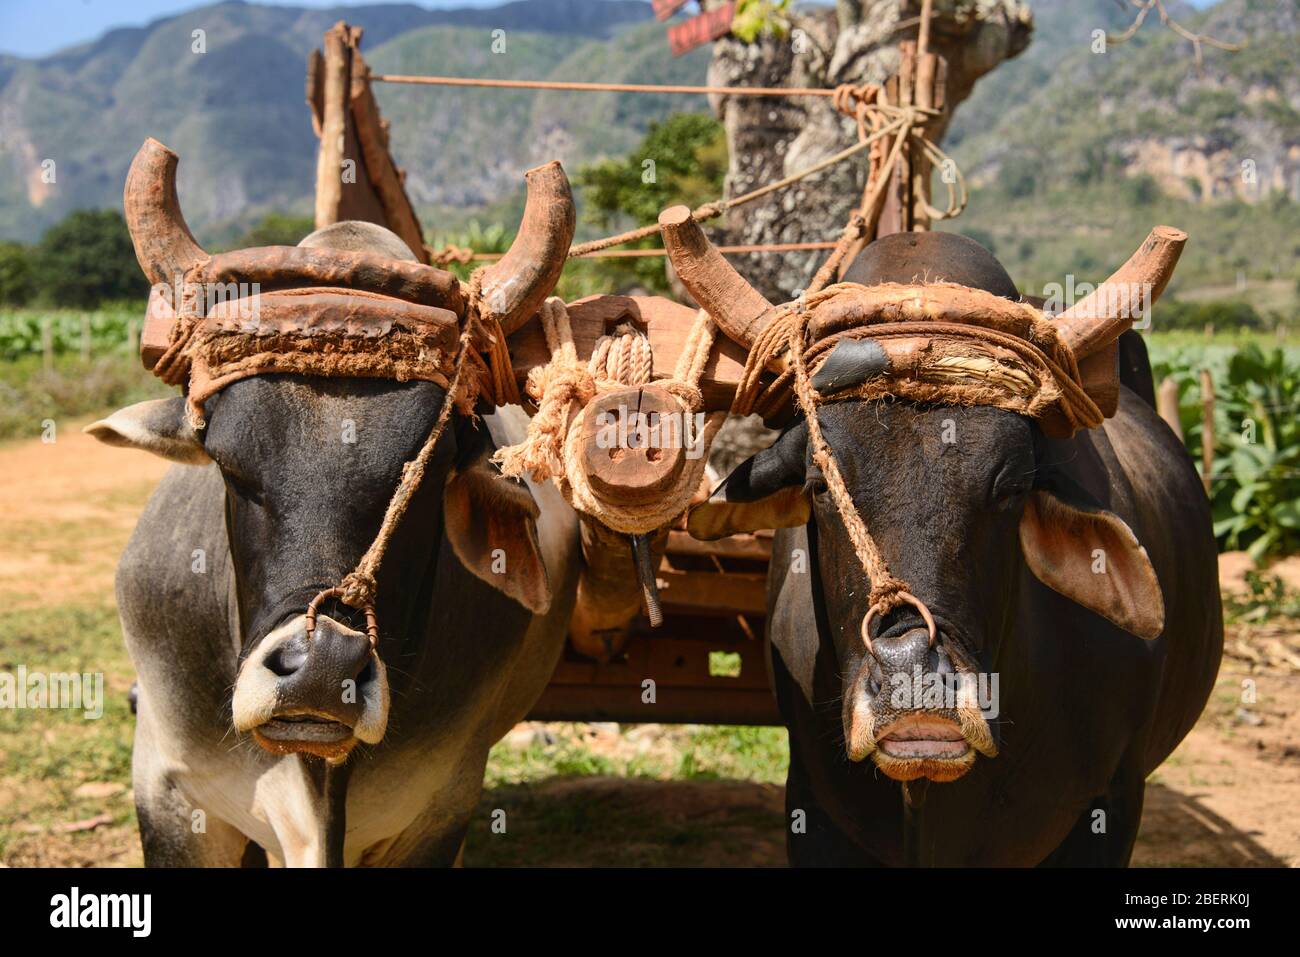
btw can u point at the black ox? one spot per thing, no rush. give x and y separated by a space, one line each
1085 709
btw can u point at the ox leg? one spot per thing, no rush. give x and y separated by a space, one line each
1105 833
171 834
812 839
169 837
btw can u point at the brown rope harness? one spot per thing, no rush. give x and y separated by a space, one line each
945 343
210 353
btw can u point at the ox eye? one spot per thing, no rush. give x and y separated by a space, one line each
1012 483
1011 488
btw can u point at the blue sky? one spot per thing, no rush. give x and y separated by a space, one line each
38 27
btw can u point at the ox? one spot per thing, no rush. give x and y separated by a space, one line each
998 532
256 733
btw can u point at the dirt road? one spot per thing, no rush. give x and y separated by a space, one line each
1228 796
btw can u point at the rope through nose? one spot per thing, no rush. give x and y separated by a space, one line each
887 591
358 587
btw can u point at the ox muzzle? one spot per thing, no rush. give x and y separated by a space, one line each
314 693
908 707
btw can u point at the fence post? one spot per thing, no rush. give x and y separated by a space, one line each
85 337
1167 405
1207 428
132 337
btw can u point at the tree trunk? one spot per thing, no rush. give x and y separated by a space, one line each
857 42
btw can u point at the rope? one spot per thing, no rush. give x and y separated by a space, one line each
886 590
574 86
1001 353
858 102
717 207
358 588
563 389
456 254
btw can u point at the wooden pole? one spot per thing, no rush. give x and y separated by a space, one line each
335 80
923 34
386 180
1167 406
85 337
1207 429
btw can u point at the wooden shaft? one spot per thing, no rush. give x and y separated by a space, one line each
387 180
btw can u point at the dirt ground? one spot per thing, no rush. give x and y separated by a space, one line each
1227 797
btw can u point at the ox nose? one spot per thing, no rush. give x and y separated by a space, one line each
904 652
324 673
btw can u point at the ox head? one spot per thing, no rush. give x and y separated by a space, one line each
310 463
957 500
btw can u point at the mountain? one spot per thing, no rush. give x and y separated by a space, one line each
1073 154
1064 114
70 122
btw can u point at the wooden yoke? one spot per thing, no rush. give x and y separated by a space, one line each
639 468
356 176
666 323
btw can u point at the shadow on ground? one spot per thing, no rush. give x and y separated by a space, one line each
622 822
1178 830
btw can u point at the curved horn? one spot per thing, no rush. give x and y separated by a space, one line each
1096 321
738 308
513 288
164 245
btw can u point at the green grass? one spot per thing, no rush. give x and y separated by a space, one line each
553 795
30 393
46 754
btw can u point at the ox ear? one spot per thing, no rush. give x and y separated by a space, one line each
491 522
1091 556
160 426
764 491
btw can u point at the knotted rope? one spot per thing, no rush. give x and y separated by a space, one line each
962 347
563 390
359 587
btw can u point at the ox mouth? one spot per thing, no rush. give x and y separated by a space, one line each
922 738
929 746
306 733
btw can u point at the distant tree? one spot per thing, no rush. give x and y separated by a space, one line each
681 160
277 229
86 259
15 274
1226 315
1018 176
1143 189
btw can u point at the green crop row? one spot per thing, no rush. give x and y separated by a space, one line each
1255 480
25 332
